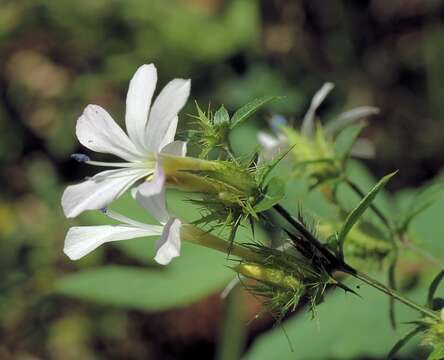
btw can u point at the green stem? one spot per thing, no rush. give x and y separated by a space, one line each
394 294
198 236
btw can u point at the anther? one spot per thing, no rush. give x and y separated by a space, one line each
80 157
277 121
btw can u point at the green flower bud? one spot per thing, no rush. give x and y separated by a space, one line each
270 276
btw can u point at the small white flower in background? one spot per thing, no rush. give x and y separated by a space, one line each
274 144
151 129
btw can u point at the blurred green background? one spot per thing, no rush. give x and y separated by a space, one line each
58 56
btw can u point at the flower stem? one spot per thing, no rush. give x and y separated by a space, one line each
394 294
298 225
198 236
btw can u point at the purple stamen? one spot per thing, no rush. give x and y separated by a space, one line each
80 157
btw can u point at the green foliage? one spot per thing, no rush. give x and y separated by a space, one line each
359 210
198 272
274 192
368 333
249 109
346 139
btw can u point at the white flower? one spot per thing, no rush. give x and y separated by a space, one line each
151 130
274 144
271 145
151 195
81 240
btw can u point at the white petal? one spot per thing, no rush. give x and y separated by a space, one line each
168 246
138 101
271 146
80 241
151 195
231 285
267 141
164 110
177 147
364 149
99 191
171 132
97 131
318 98
349 117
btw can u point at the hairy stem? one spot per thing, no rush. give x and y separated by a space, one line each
394 294
198 236
299 226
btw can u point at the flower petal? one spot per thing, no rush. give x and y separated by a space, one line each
318 98
151 195
97 131
81 240
168 246
99 191
164 110
170 133
271 146
177 147
138 101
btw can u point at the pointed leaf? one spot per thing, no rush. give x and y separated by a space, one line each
392 284
249 109
266 170
433 287
357 212
275 191
221 116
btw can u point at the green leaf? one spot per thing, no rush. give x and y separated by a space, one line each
249 109
437 354
432 288
263 172
357 212
421 201
346 139
197 273
221 116
275 191
347 327
401 342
